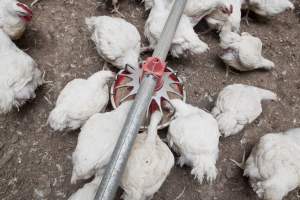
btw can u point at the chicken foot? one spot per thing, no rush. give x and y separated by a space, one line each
246 17
116 9
241 164
34 2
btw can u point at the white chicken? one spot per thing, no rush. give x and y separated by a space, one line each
185 41
194 134
19 75
79 100
96 142
238 105
197 9
13 17
274 165
268 8
117 41
149 164
217 18
242 52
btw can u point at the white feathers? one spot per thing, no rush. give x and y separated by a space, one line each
185 41
117 41
269 7
195 9
195 136
198 9
274 165
88 191
79 100
238 105
149 164
242 52
11 15
96 142
19 75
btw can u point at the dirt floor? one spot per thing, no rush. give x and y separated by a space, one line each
36 164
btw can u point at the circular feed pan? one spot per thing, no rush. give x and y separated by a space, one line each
127 83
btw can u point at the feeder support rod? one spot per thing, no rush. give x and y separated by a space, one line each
114 171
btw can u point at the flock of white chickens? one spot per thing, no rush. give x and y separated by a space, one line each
273 167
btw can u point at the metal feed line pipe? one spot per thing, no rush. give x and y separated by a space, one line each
114 171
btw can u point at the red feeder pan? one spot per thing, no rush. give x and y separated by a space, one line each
127 83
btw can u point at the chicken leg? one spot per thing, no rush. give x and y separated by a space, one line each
116 8
246 18
34 2
241 165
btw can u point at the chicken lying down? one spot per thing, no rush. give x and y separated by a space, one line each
238 105
274 165
268 8
242 52
79 100
19 75
96 142
149 164
14 17
117 41
185 41
194 134
217 18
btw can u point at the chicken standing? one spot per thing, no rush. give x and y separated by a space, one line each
19 75
79 100
268 8
149 164
217 18
13 17
97 141
242 52
195 136
238 105
197 9
117 41
185 41
274 165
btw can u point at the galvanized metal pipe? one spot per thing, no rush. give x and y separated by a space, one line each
114 171
166 37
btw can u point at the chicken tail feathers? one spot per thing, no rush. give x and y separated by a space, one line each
267 64
204 168
6 100
267 95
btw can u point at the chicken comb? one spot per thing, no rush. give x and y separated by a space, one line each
26 8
